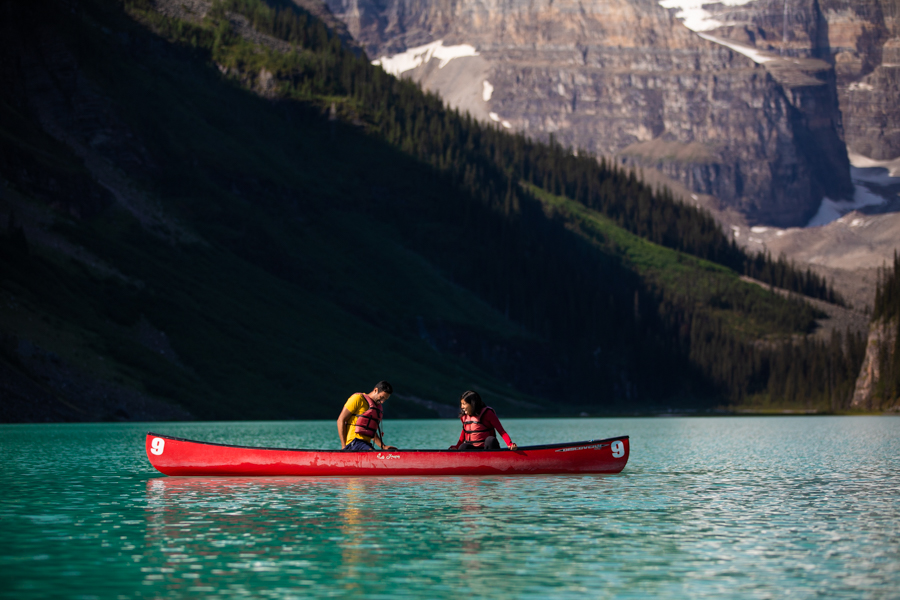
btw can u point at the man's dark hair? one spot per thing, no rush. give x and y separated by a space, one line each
473 399
384 386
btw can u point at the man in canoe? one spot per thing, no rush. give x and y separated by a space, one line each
360 420
480 425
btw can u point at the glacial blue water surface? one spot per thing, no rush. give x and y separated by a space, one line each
800 507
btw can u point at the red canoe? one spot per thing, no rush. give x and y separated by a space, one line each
177 456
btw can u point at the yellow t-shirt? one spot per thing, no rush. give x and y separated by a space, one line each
357 405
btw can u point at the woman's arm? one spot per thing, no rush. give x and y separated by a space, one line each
493 421
462 437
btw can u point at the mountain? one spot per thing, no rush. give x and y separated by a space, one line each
222 210
759 131
860 39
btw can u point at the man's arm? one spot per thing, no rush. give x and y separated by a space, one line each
375 438
342 421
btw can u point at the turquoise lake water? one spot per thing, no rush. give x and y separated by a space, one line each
803 507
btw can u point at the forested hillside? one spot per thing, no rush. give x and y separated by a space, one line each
232 213
419 124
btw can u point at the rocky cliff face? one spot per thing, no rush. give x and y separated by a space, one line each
860 38
882 340
864 38
627 78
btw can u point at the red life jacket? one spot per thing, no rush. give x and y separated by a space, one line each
477 431
367 423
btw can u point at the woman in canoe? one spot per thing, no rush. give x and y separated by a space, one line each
479 425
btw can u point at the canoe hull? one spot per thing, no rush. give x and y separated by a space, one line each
176 456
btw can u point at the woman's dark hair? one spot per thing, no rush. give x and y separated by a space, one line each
473 399
384 386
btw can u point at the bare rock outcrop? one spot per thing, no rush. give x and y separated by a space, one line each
860 38
882 341
866 48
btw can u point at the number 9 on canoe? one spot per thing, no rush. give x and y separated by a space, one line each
618 449
158 444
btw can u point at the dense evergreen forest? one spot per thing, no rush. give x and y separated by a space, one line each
887 311
610 296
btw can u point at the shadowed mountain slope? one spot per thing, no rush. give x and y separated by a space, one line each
229 217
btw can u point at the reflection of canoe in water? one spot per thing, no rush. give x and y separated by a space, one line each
176 456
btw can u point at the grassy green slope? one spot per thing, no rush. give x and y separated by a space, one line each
748 310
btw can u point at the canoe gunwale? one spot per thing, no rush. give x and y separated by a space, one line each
538 447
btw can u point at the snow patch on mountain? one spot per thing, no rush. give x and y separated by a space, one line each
694 14
496 119
751 53
864 162
695 17
871 179
488 91
832 210
420 55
